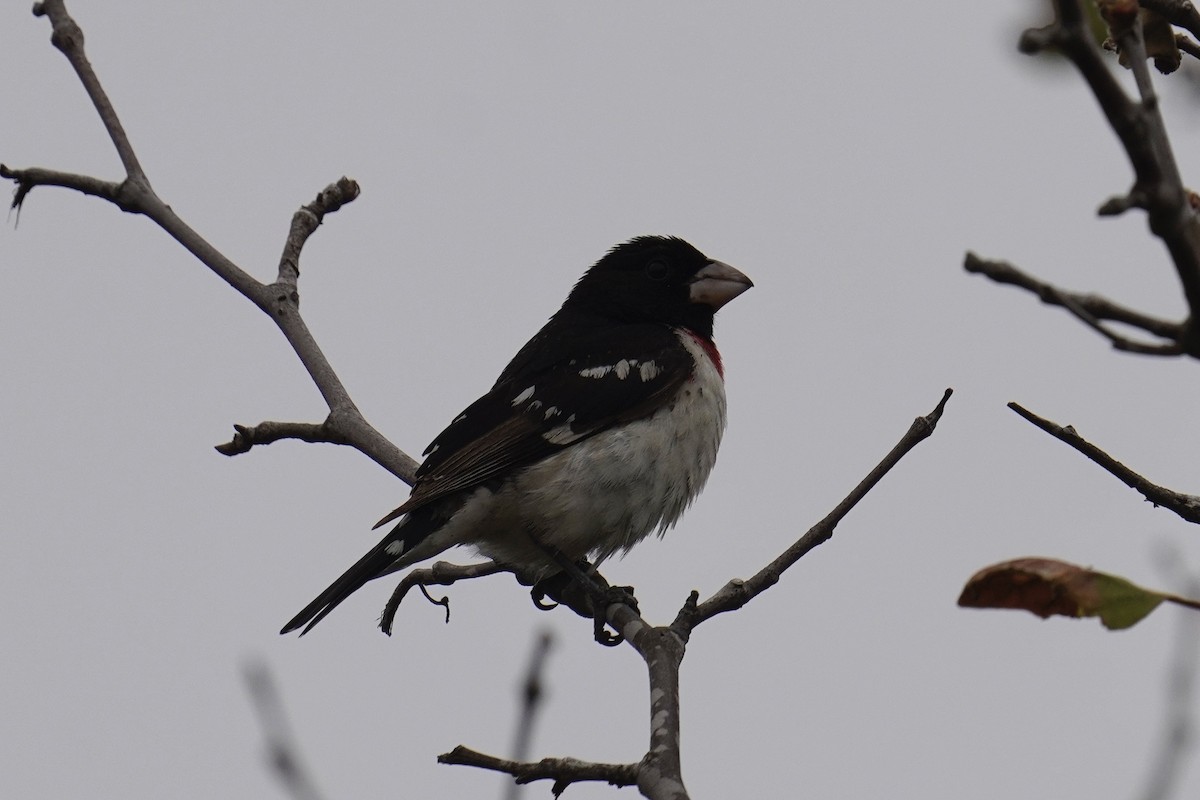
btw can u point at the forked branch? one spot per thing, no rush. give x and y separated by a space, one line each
1157 188
659 774
280 300
1090 309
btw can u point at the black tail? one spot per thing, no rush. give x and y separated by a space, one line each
398 545
371 566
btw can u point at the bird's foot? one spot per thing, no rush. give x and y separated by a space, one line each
583 590
615 595
539 593
563 588
550 593
623 595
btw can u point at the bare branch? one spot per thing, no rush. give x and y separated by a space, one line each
1090 308
563 771
282 751
279 300
246 437
1138 123
658 775
66 35
1119 342
306 220
26 179
348 428
1186 506
442 573
738 592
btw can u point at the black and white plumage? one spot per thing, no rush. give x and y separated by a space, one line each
601 430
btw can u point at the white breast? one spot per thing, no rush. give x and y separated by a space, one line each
609 492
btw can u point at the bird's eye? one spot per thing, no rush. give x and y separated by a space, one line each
657 270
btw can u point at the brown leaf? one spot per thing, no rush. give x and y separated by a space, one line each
1045 586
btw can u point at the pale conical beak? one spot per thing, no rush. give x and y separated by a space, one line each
717 284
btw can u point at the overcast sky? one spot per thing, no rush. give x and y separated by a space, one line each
842 155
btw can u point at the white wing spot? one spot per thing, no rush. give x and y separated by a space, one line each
459 419
648 371
562 434
523 396
395 548
552 411
621 369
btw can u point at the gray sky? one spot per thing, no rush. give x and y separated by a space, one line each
843 161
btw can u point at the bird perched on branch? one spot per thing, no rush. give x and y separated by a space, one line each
602 429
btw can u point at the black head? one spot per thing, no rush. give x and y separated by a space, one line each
658 279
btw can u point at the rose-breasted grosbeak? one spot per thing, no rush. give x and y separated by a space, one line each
603 428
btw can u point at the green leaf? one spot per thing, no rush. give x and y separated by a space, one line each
1122 604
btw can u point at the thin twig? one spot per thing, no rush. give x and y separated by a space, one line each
27 179
67 36
737 592
246 437
1186 506
1089 308
305 222
563 771
1119 342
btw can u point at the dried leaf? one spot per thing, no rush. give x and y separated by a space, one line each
1045 587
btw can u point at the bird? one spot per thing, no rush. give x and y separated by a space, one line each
601 430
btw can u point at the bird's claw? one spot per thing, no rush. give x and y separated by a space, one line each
538 593
615 595
579 587
603 636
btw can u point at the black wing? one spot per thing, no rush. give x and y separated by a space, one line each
613 376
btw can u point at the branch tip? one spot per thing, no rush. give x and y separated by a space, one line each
738 592
1035 40
936 414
